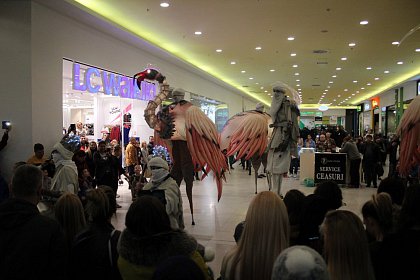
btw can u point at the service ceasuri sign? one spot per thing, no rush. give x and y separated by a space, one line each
330 166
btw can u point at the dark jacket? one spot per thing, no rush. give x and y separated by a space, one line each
140 256
32 246
371 152
3 141
108 170
94 253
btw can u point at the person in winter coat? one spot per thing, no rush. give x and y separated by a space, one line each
32 246
148 240
162 180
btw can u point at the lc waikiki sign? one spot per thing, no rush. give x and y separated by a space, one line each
111 84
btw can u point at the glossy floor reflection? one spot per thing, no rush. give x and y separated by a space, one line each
216 221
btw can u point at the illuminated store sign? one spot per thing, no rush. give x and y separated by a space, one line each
375 102
111 84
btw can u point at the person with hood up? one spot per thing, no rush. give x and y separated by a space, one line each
162 180
66 177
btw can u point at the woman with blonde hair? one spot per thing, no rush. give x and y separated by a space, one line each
378 216
346 248
265 235
69 213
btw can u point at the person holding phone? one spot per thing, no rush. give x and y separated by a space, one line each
6 126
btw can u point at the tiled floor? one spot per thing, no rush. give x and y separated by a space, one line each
216 221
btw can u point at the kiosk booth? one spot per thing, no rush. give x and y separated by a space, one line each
323 166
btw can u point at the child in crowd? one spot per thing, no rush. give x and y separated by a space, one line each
85 184
136 181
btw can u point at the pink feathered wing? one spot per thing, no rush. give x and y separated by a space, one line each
203 143
245 133
409 132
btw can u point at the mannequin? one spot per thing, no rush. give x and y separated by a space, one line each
284 114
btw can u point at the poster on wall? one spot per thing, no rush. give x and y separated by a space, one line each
330 166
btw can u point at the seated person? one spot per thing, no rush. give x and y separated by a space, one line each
38 158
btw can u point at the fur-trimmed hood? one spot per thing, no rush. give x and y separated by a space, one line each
151 250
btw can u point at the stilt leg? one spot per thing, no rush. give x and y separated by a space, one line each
189 195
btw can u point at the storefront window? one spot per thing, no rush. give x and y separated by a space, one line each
217 111
107 105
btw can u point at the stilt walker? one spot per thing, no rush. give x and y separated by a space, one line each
190 136
285 116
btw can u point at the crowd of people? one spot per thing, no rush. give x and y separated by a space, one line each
295 237
366 154
310 237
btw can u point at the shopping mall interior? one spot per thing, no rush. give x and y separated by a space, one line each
350 67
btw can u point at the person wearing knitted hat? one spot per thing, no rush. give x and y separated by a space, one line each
162 180
65 178
300 262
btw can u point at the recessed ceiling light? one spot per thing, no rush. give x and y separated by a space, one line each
298 85
376 78
386 72
325 89
324 93
339 95
265 91
296 74
297 80
334 99
330 82
261 87
338 68
344 58
395 43
400 62
290 38
352 44
368 84
232 62
328 87
198 33
346 89
258 48
272 70
299 89
364 22
417 50
369 68
251 78
219 50
334 76
257 83
354 81
362 88
292 54
243 71
164 5
295 65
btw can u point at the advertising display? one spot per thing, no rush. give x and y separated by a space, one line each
330 166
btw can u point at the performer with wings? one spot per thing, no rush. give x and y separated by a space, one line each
247 133
409 132
190 136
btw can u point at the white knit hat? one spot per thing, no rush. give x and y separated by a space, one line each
300 262
158 162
